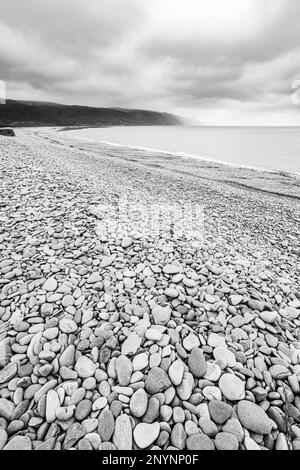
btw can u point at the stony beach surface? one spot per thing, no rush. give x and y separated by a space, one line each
137 341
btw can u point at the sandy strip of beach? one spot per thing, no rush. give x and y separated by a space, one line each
113 340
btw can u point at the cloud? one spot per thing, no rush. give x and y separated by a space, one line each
196 57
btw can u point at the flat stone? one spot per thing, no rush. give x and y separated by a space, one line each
75 432
279 372
253 417
171 269
161 315
19 443
6 408
8 373
213 372
199 442
52 404
157 381
50 285
216 341
190 342
122 437
178 436
226 441
219 411
146 434
85 367
233 426
3 438
67 326
176 371
232 387
131 344
226 355
67 357
138 403
171 292
184 390
140 362
83 410
235 299
106 425
197 363
123 370
106 262
269 317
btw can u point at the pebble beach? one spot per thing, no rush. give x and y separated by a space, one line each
145 341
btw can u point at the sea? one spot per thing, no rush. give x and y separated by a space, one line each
266 148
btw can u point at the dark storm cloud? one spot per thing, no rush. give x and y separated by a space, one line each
163 54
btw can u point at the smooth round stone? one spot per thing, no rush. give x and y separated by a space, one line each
161 315
190 342
106 425
131 344
67 326
250 444
100 403
184 390
146 434
3 438
85 367
212 393
19 443
219 411
67 357
279 372
213 372
199 442
52 404
171 269
126 242
140 362
153 334
157 381
138 403
208 427
178 436
83 410
233 426
216 341
123 370
226 355
226 441
253 417
197 363
107 446
172 293
50 285
232 387
176 371
8 373
122 437
269 317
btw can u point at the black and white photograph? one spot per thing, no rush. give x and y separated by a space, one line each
149 229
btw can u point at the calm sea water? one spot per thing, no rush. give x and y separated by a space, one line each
270 148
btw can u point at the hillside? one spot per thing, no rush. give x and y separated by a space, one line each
32 114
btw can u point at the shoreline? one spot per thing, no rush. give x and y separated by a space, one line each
185 155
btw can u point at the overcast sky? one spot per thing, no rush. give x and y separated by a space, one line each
221 61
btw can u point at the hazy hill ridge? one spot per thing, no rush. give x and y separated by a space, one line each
31 114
